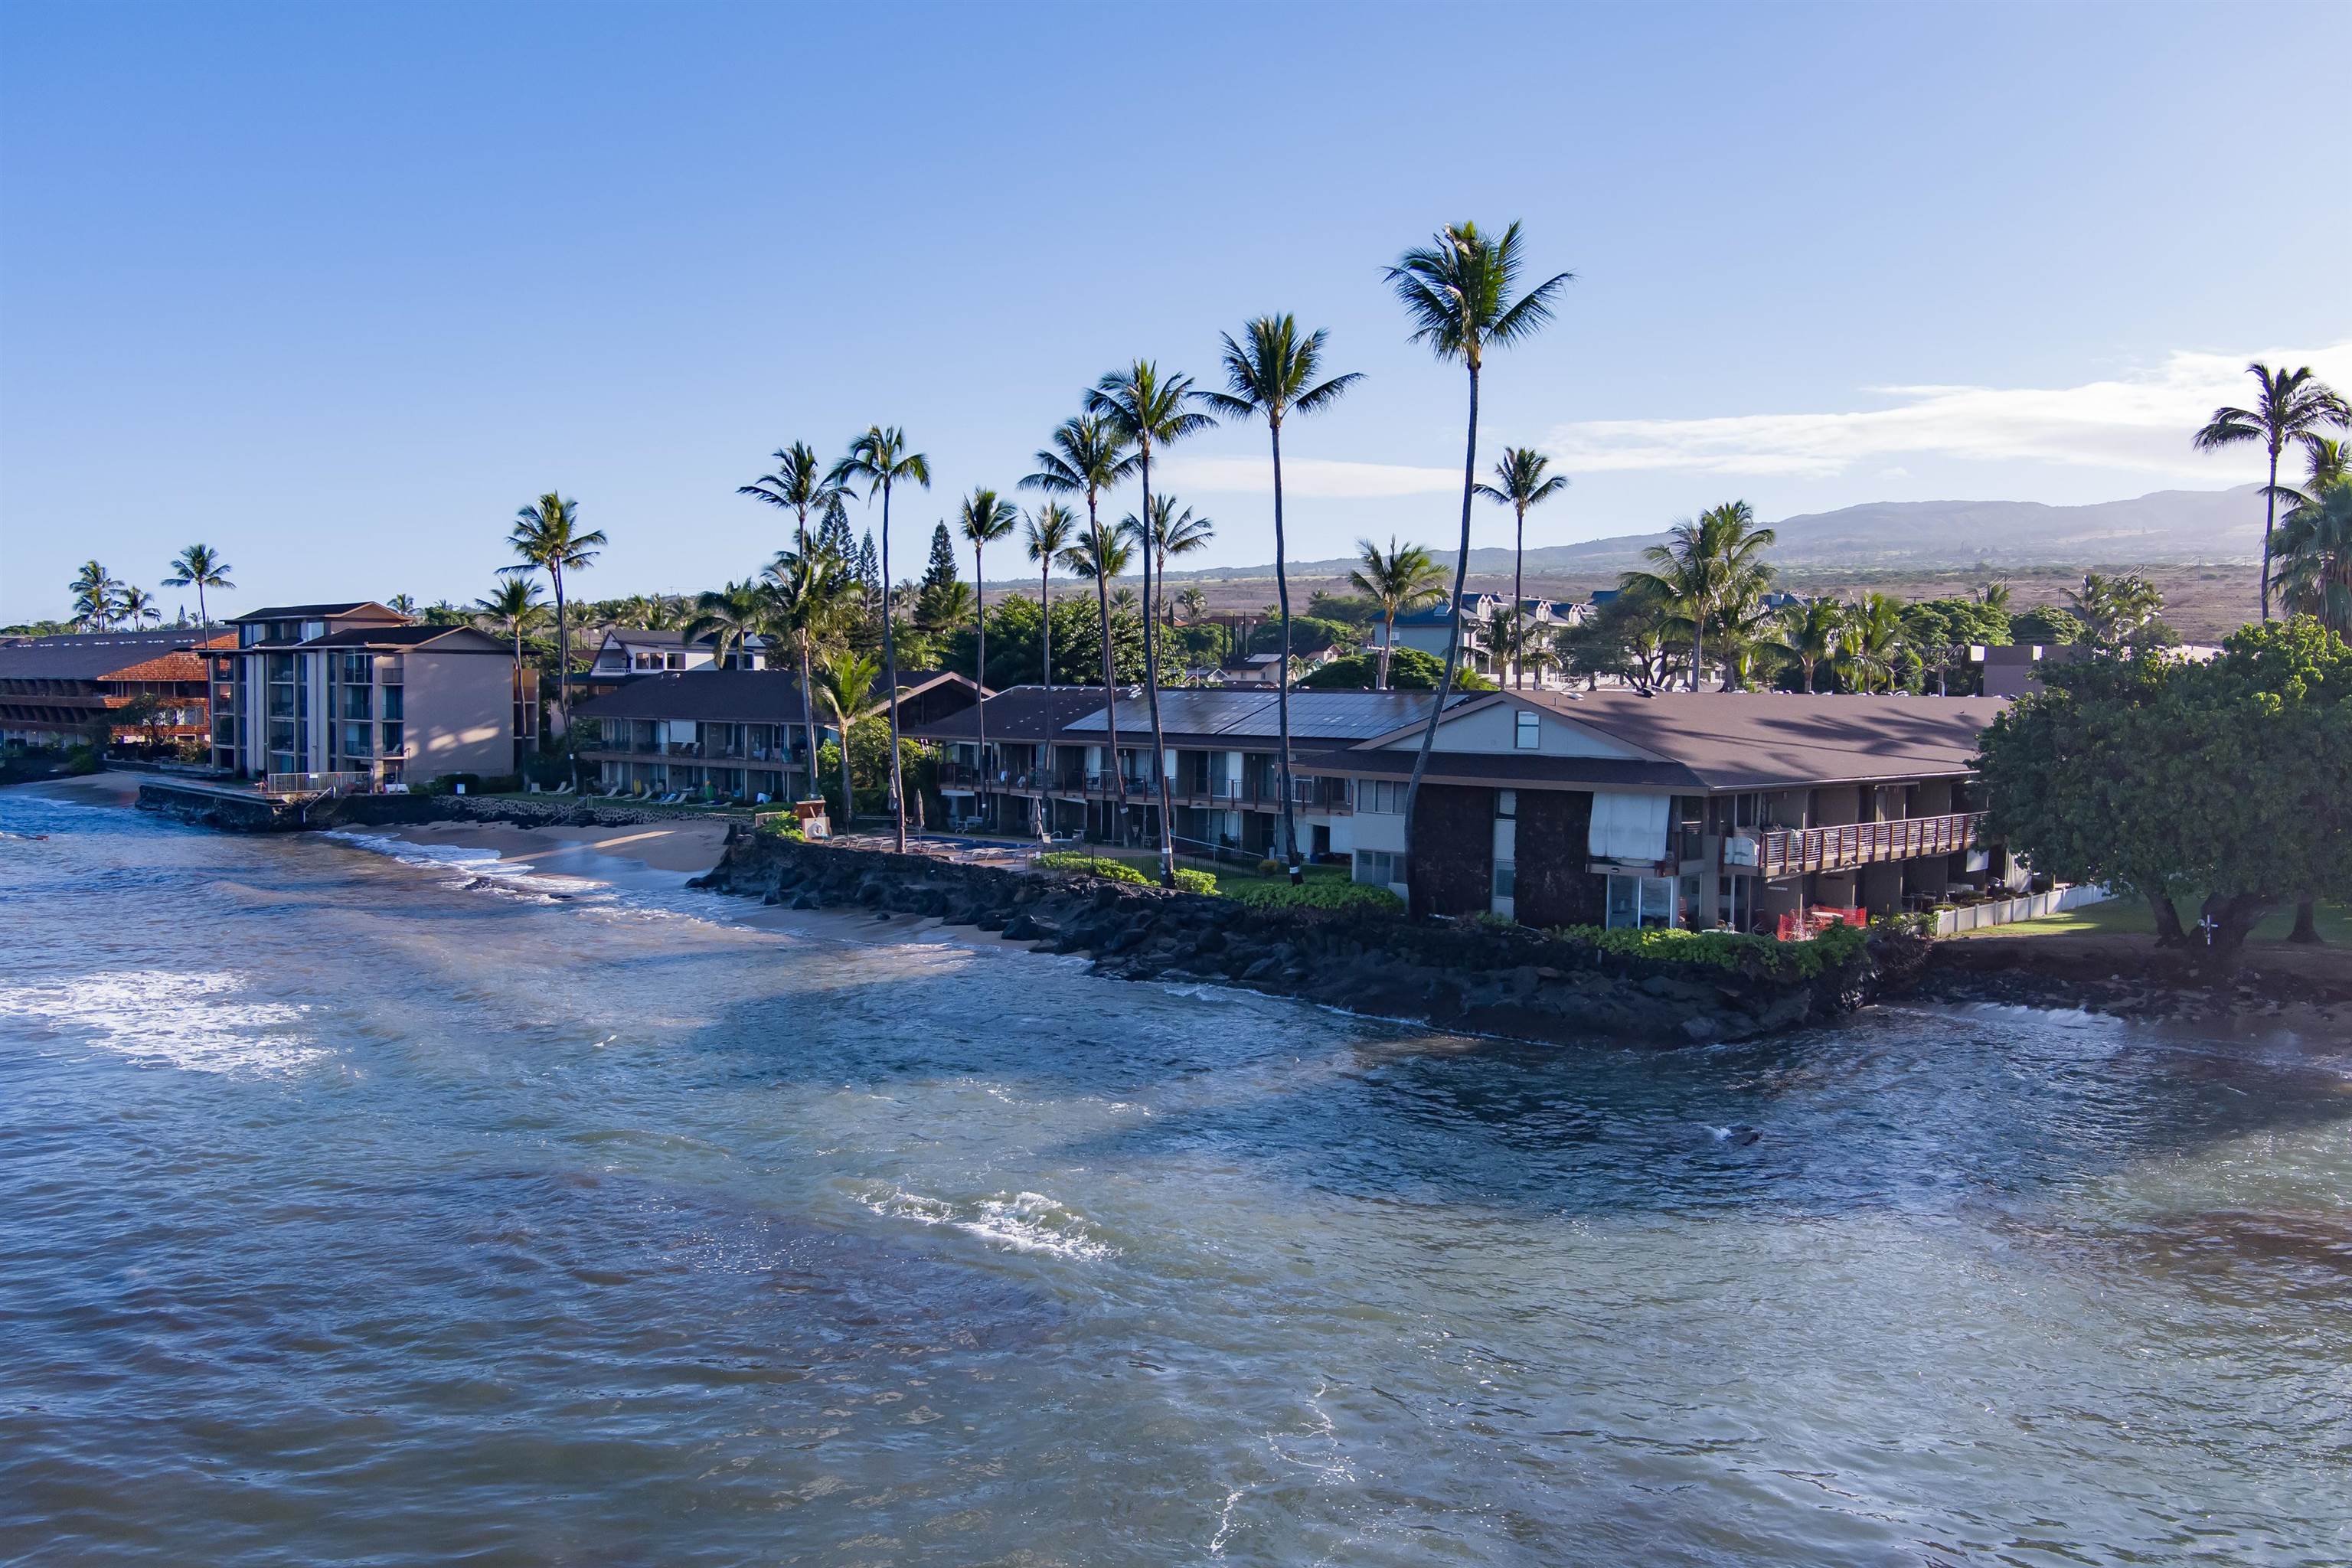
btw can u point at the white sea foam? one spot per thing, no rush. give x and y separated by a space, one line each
472 866
1023 1222
156 1017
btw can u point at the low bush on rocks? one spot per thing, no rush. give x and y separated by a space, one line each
1735 951
1094 866
1319 895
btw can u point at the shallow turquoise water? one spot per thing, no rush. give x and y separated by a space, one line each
356 1211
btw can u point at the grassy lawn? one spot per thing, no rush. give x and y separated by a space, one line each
2130 917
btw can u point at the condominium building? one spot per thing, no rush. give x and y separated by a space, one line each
359 689
89 686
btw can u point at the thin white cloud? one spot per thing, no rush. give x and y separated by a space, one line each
2141 422
1318 478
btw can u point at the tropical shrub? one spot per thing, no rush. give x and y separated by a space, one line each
1092 866
1313 895
1191 881
1734 950
81 760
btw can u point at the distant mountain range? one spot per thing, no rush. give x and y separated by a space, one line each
2163 527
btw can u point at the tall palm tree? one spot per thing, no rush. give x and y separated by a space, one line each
548 538
2291 404
846 683
1703 565
94 588
2315 558
1047 531
1172 534
405 603
2326 462
1088 457
200 567
1457 292
1192 605
800 485
1520 482
1271 373
1403 578
137 605
811 599
879 460
731 616
1809 634
512 606
1150 410
984 519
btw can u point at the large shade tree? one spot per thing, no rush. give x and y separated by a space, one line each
880 460
2289 405
1272 373
2171 779
1522 479
1458 291
1150 411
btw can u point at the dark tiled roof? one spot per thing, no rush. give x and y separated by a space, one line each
312 612
712 696
95 655
1016 713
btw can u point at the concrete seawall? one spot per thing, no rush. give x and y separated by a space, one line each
1503 981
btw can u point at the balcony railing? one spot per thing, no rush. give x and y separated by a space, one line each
1786 852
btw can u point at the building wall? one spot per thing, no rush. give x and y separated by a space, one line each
1554 888
1495 730
1453 868
459 711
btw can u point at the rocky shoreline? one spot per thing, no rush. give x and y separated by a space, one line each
2150 984
256 815
1506 981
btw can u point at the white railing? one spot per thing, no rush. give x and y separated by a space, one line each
293 785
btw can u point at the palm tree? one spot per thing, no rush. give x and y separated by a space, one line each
1457 291
548 537
1871 640
811 599
405 603
1270 374
1744 623
731 616
2113 608
1809 634
1172 534
1192 605
2315 558
1520 482
1047 531
799 485
1705 565
880 460
984 518
2292 404
1519 638
1404 579
513 606
846 682
1088 457
200 567
1147 409
94 589
137 605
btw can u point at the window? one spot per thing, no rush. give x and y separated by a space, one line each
394 701
1507 802
1640 901
392 738
1528 735
355 702
356 739
1385 796
1378 867
1507 879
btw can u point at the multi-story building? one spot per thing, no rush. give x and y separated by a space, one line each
1753 810
735 733
362 692
76 687
1427 629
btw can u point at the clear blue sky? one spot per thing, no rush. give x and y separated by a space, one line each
337 288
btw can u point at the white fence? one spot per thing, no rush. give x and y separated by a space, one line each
2025 907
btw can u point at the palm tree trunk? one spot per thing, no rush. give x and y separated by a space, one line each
1453 639
1045 642
1698 641
890 674
987 798
1111 687
1388 644
848 799
563 674
1151 683
2269 518
1282 689
1519 593
202 615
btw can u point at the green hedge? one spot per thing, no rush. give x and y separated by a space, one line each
1093 866
1314 894
1191 881
1734 950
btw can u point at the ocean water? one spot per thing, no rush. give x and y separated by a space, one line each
356 1209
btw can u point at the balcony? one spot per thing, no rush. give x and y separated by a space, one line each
1788 852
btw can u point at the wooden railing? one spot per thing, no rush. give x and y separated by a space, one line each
1785 852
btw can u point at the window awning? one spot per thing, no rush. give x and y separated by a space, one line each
1629 826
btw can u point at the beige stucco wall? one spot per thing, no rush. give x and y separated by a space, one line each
459 714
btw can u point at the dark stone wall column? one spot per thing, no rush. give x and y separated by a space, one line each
1555 846
1452 869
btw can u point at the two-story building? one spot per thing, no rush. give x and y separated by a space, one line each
1427 629
1759 811
87 686
361 692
